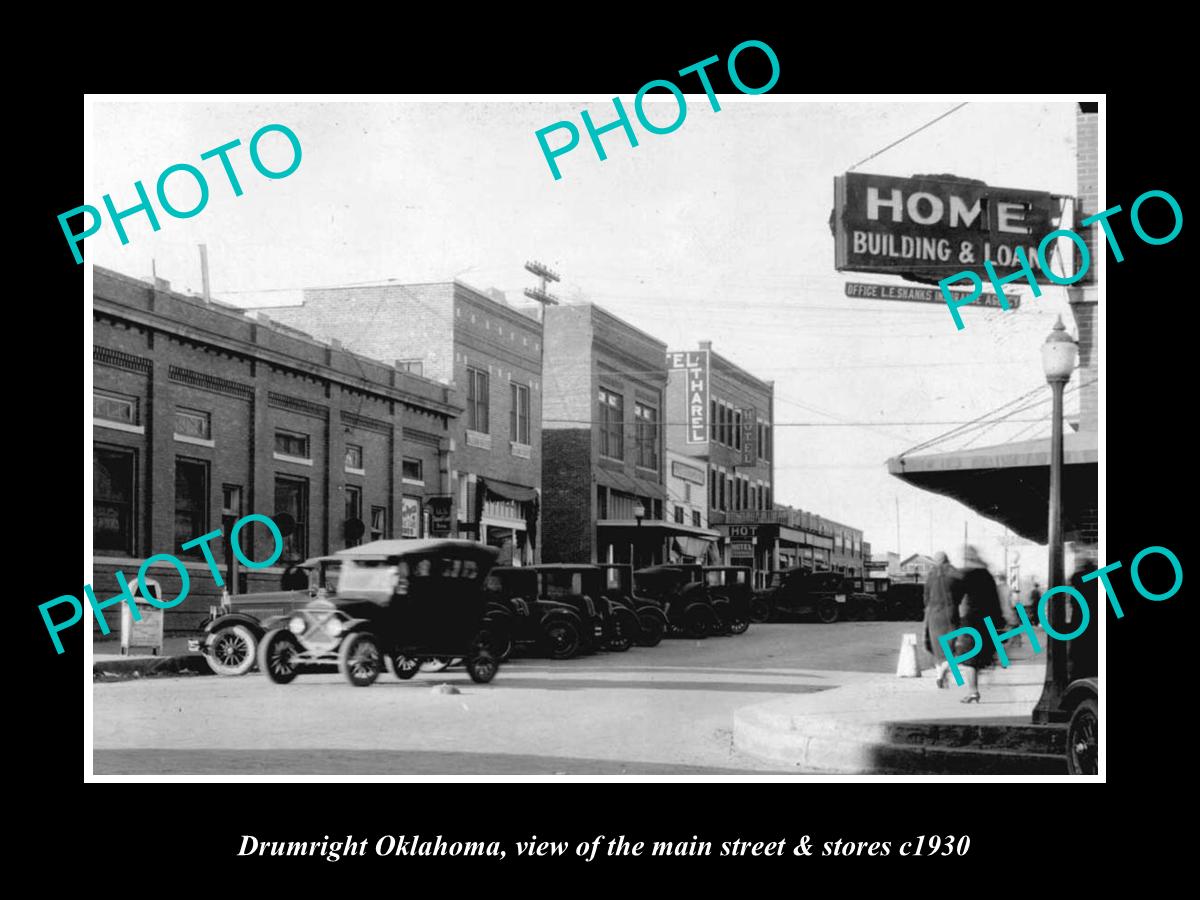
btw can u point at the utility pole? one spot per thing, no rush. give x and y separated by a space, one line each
540 294
898 526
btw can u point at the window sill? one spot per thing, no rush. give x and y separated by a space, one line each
652 471
479 439
413 481
199 442
298 460
523 451
350 470
119 426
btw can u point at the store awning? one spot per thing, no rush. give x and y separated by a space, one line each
660 526
1010 483
504 490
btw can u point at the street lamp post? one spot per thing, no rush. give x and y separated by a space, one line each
639 513
1058 361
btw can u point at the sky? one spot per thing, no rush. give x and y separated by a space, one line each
718 231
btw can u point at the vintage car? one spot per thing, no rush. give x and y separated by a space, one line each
398 600
734 585
801 592
1081 701
685 602
868 597
651 619
520 617
229 636
906 600
582 586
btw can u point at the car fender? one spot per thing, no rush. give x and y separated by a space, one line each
555 615
257 628
1078 691
655 612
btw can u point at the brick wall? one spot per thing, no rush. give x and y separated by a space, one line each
1083 296
568 511
169 352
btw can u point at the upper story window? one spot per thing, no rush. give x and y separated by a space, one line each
354 457
646 419
413 366
612 424
115 407
292 443
193 423
519 420
477 400
412 469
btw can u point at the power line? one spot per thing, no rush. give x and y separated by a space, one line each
907 136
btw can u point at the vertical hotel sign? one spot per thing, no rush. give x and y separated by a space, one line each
749 432
695 366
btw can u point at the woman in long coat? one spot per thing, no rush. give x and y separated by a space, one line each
942 593
980 600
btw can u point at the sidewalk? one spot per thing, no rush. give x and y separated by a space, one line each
891 725
108 663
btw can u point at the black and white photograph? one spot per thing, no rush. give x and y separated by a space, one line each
701 433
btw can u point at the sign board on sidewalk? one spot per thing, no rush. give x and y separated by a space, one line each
146 634
923 295
440 523
928 227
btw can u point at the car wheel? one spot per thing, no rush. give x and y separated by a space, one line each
760 611
482 667
1083 739
651 634
359 659
828 612
405 667
500 642
231 650
868 613
738 624
696 623
277 656
563 639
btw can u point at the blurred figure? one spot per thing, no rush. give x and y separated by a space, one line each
1082 651
942 594
1031 601
980 600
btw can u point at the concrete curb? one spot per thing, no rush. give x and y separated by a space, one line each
150 666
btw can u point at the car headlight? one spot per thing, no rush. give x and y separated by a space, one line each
334 627
296 625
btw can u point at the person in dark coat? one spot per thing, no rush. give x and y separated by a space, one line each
980 600
942 595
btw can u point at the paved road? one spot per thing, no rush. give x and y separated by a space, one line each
660 711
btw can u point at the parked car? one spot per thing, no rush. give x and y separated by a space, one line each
735 586
685 602
522 618
582 586
230 635
402 600
868 597
651 618
906 600
1081 701
800 592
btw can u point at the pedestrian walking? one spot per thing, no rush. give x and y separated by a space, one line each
980 600
942 595
1031 601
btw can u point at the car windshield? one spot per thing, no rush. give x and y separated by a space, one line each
368 577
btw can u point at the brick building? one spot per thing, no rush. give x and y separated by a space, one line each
491 354
720 417
603 443
202 414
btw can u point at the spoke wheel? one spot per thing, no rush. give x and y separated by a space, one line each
277 656
231 650
1083 739
760 611
483 666
696 623
405 667
828 612
651 634
562 639
359 659
738 624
